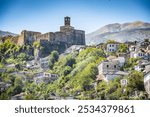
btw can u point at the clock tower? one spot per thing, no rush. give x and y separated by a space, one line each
67 21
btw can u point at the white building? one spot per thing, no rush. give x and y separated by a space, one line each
32 64
147 82
44 62
141 65
45 77
121 61
132 48
112 47
147 68
148 52
138 54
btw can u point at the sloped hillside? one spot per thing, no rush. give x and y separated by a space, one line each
120 32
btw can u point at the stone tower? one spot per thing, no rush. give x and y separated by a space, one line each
67 21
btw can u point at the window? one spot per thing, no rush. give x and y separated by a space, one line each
114 66
52 75
139 54
107 66
112 45
110 50
47 75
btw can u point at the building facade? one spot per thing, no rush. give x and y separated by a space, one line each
112 47
108 66
147 82
109 70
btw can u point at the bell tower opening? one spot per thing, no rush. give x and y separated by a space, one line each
67 21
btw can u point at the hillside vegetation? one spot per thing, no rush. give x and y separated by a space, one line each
77 76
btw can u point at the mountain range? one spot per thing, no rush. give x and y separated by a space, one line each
6 33
135 31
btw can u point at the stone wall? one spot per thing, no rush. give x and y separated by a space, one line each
79 37
27 37
21 40
66 29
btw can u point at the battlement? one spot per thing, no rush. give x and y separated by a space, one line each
30 32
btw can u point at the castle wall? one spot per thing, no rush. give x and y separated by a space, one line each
21 40
45 36
27 37
52 37
60 37
79 37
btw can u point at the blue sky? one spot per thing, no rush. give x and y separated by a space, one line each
89 15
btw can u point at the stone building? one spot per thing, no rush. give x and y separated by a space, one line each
147 82
108 66
44 62
109 70
112 47
44 77
67 35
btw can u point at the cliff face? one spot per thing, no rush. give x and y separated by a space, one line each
136 31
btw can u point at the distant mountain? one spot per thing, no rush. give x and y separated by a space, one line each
120 32
5 33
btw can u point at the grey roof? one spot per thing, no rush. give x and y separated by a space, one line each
122 73
117 73
74 48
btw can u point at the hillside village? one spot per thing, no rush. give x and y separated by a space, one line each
110 70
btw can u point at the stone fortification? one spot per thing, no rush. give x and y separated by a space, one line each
67 35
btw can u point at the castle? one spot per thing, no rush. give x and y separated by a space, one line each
67 36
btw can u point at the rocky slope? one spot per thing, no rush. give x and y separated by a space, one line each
120 32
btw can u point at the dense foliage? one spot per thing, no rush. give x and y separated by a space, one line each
10 52
77 75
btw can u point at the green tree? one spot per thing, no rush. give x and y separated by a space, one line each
22 57
53 57
135 81
123 48
69 61
36 44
